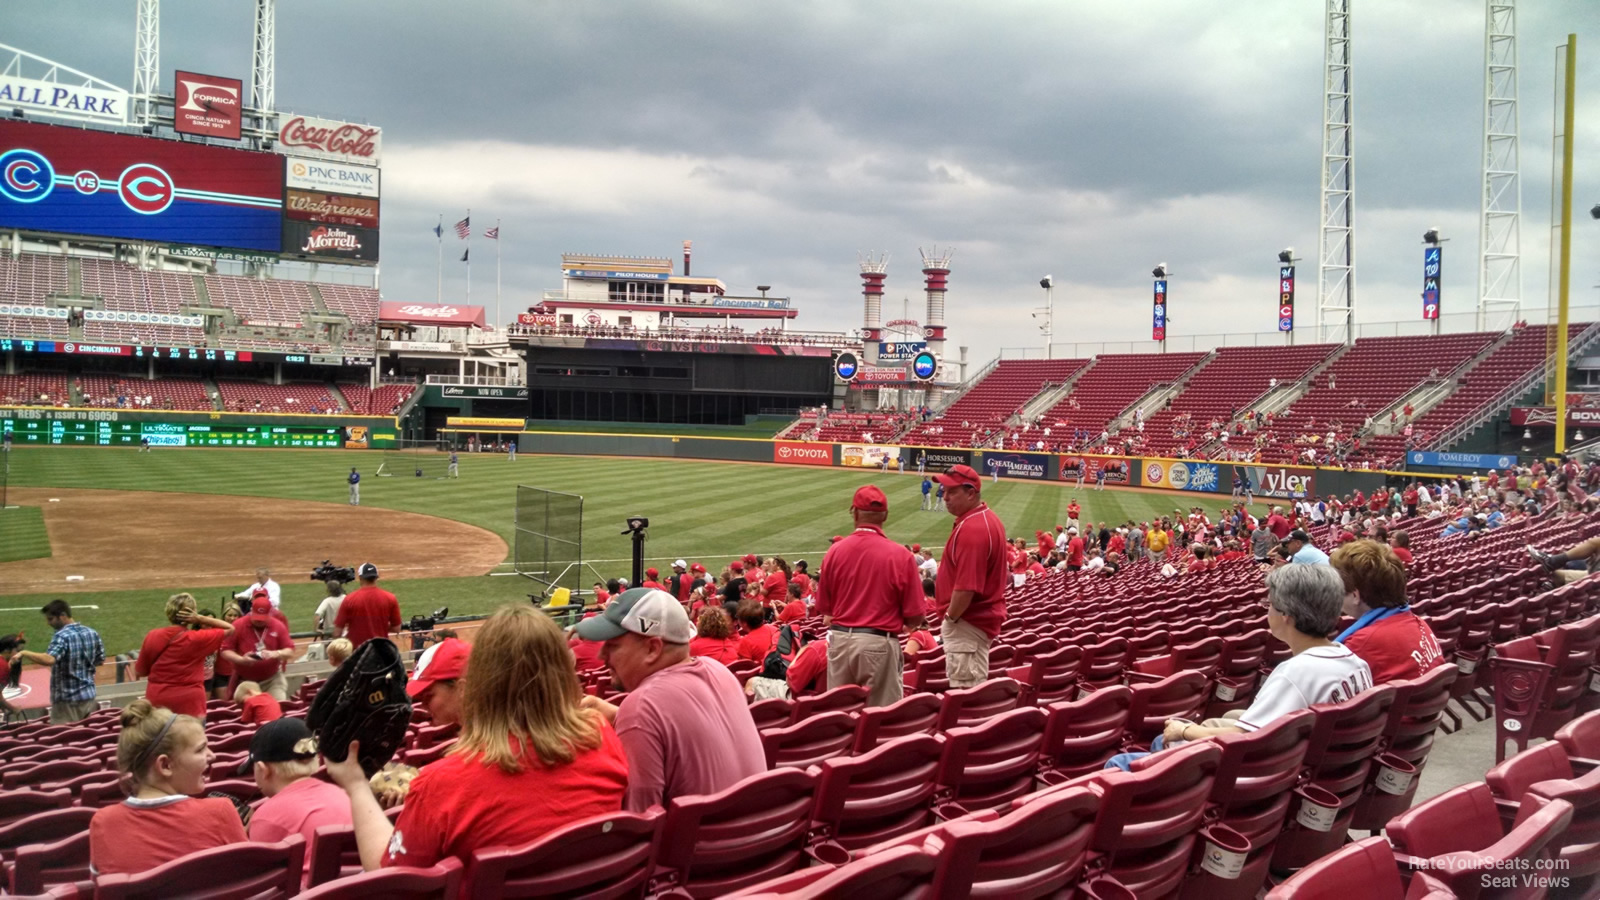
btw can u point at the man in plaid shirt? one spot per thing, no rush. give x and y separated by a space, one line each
73 654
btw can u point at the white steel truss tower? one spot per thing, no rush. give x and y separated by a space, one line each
263 66
1500 220
1336 256
146 60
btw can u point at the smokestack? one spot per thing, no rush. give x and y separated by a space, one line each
687 249
935 269
874 269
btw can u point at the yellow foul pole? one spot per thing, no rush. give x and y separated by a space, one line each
1566 245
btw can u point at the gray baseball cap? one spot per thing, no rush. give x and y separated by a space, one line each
645 611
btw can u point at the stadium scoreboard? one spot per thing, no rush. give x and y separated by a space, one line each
166 434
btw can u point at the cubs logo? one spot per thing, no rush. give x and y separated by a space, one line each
26 176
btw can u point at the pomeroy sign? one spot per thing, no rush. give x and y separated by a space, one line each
799 453
207 105
330 139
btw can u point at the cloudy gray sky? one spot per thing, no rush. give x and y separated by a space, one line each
1085 140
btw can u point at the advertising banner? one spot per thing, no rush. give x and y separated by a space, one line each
206 105
430 313
1431 272
1546 415
880 374
338 243
1275 481
547 320
480 422
1286 298
330 139
333 209
899 351
48 99
1017 465
71 181
1158 322
495 393
1181 476
801 453
324 176
938 459
866 456
1482 461
747 302
1118 471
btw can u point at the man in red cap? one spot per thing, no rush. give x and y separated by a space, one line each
259 648
652 579
970 587
871 593
436 682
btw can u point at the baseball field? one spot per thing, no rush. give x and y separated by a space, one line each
115 531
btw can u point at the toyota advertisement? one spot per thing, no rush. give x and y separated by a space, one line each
799 453
71 181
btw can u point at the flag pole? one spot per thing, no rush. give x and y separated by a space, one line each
497 322
469 256
438 282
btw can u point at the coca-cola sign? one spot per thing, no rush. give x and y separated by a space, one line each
330 139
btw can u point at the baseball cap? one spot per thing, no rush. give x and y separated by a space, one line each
1298 535
916 548
260 609
280 740
697 568
652 572
679 564
750 560
736 566
868 497
367 570
960 475
444 661
645 611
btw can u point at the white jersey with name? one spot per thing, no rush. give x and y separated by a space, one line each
1330 674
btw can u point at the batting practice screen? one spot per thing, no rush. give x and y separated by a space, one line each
419 462
549 537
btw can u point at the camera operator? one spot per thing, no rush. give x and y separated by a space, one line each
263 580
328 611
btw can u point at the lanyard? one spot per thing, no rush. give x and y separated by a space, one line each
1370 617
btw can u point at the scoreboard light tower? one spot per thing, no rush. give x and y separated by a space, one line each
1286 263
1336 250
1161 306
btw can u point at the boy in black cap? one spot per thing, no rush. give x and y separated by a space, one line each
283 760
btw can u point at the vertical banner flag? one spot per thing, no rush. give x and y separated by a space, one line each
1286 298
1431 260
1158 325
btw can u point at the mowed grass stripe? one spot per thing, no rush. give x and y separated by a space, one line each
23 535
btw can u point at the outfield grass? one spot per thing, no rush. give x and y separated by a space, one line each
703 511
22 534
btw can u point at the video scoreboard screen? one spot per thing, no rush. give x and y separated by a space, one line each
164 434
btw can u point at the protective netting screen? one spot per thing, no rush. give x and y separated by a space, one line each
419 462
548 545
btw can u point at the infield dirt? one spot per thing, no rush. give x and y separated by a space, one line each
120 540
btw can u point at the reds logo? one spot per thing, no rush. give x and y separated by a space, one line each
146 189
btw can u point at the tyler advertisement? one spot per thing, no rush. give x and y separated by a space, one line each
1017 465
1181 476
866 456
801 453
1118 471
1276 481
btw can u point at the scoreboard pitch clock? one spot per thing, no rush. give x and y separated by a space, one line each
167 434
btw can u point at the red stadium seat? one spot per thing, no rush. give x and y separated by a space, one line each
1418 707
51 825
1365 869
1079 736
1051 676
1545 770
894 872
1179 696
809 741
879 795
1150 819
1038 849
1458 838
601 857
262 871
37 867
1581 737
21 803
915 714
850 698
439 882
754 830
989 765
772 713
27 775
333 854
975 705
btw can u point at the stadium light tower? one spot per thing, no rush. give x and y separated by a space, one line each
263 64
1048 326
1336 253
146 60
1500 215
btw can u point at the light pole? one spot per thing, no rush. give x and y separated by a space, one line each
1162 312
1432 276
1048 283
1286 261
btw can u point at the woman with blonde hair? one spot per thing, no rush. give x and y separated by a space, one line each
174 657
221 669
528 760
162 757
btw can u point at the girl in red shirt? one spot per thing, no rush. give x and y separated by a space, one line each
775 587
714 636
221 669
529 759
163 759
174 658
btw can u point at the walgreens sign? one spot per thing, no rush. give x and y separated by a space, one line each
797 453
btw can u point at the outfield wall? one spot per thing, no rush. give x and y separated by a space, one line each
1184 476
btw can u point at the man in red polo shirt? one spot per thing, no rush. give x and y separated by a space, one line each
370 612
970 587
259 649
871 592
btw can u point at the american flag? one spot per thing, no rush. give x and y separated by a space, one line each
464 228
493 234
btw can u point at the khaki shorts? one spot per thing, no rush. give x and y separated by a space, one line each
71 711
966 654
871 660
